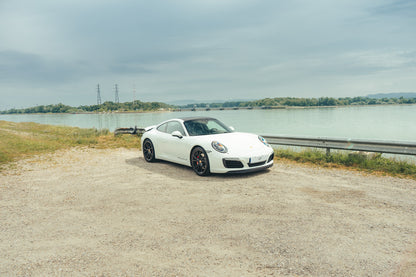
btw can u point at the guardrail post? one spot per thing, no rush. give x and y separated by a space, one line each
328 151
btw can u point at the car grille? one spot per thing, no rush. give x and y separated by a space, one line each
256 164
232 163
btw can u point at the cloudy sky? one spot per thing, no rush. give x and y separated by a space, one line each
168 50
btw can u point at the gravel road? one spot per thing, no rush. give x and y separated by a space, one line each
92 212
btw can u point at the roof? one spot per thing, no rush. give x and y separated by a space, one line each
195 118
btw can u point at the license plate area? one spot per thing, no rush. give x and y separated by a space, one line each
257 159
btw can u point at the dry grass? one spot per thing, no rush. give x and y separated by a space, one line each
20 140
375 165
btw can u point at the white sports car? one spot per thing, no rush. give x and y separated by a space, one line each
206 145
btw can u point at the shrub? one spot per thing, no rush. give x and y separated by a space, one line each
369 163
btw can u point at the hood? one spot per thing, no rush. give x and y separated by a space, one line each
239 142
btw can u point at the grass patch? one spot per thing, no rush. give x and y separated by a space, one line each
20 140
373 163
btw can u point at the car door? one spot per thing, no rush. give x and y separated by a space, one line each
176 148
160 141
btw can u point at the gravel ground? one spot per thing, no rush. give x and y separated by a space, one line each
96 212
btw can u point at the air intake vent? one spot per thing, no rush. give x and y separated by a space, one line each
271 157
232 163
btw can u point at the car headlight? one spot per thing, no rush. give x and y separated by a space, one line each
219 147
263 140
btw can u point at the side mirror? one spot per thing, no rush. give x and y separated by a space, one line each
232 128
177 134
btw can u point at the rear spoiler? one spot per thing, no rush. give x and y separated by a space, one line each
149 128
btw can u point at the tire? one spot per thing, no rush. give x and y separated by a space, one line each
199 161
148 151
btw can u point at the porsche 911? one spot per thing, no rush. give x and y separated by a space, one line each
206 145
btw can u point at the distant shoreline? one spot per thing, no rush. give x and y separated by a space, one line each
287 107
220 109
112 112
266 103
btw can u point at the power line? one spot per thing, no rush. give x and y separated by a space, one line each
98 95
117 100
134 93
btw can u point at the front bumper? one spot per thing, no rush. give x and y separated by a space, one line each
242 164
251 169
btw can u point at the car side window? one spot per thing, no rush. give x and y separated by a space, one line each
162 128
175 126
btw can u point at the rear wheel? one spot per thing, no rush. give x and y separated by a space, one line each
199 161
148 151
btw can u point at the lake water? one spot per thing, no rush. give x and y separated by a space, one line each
396 122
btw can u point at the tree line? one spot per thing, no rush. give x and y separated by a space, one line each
306 102
266 102
105 107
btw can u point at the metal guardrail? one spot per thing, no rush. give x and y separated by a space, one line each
390 147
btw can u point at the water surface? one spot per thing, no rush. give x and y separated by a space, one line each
395 122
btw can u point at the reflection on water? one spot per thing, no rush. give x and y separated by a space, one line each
99 119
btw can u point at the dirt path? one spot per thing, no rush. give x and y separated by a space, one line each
108 212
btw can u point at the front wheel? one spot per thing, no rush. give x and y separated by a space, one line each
148 151
199 161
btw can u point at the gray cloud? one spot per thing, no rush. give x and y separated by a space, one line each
396 8
205 49
36 69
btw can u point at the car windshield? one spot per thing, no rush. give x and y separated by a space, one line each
205 126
